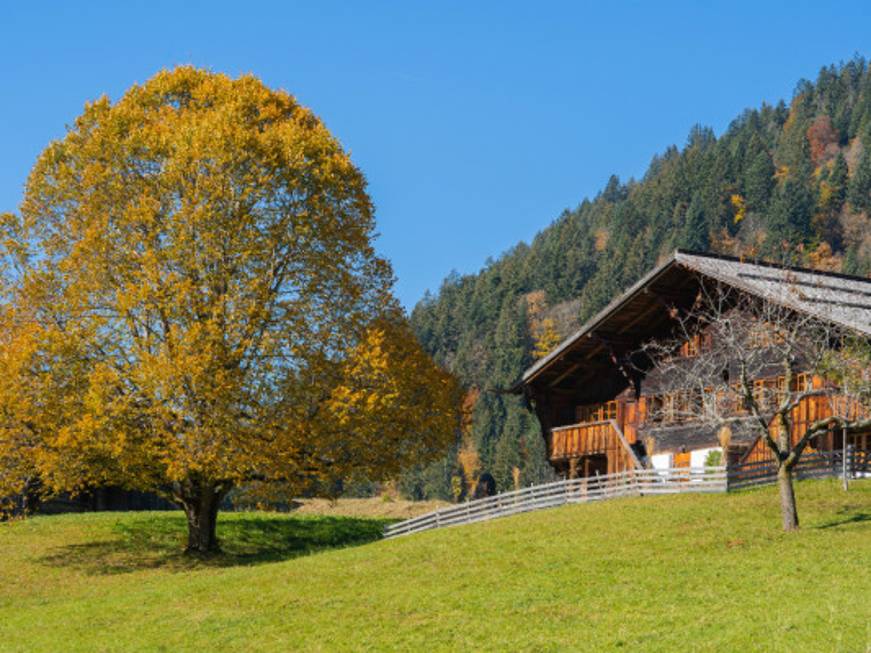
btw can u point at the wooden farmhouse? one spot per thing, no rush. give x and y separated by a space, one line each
597 412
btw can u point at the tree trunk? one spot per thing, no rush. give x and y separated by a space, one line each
788 510
201 502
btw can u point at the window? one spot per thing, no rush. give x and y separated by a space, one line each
597 412
802 382
760 395
691 347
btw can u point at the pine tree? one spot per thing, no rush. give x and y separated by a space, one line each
759 181
694 231
838 180
859 190
477 326
790 214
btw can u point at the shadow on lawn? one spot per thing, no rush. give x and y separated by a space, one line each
156 540
847 515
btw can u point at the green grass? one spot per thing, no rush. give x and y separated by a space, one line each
691 573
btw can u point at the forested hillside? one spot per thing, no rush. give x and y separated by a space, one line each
785 182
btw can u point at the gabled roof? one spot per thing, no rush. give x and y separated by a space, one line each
836 298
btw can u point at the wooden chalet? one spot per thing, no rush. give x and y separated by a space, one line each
595 409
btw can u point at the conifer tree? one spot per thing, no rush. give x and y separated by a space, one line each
790 213
759 181
837 181
859 191
594 251
694 231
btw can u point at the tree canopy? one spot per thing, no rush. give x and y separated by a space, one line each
194 301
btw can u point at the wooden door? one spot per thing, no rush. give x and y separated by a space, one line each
595 465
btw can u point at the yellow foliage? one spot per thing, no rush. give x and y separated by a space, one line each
470 463
740 206
470 400
394 407
826 194
543 329
546 338
822 258
199 303
536 304
515 477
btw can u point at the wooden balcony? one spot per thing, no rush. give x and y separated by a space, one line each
582 440
603 437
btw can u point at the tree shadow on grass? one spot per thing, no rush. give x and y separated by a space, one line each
847 515
156 541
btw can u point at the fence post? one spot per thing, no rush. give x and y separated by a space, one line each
845 454
622 483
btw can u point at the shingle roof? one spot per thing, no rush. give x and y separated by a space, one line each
697 436
837 298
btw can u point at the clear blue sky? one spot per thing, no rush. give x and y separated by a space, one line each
476 123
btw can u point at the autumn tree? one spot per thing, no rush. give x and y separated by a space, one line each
822 139
195 302
545 336
746 338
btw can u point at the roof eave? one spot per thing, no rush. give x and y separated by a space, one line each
596 320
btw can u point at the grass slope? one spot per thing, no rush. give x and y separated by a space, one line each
705 573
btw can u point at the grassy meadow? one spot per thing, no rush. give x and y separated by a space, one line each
692 573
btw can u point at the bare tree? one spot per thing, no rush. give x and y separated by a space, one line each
849 367
734 357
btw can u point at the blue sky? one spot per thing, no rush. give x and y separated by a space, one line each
476 123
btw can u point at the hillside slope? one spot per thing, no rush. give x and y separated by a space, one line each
785 182
700 573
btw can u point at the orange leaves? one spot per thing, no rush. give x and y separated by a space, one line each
208 299
392 405
823 139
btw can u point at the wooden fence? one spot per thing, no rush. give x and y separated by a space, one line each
810 465
638 482
579 490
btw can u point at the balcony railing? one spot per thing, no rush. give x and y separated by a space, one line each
583 439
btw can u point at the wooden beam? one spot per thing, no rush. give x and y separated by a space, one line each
568 371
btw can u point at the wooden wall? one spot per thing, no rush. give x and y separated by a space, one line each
810 410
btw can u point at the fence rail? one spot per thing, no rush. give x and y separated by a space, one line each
637 482
815 465
577 490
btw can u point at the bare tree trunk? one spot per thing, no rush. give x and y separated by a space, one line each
201 502
788 509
